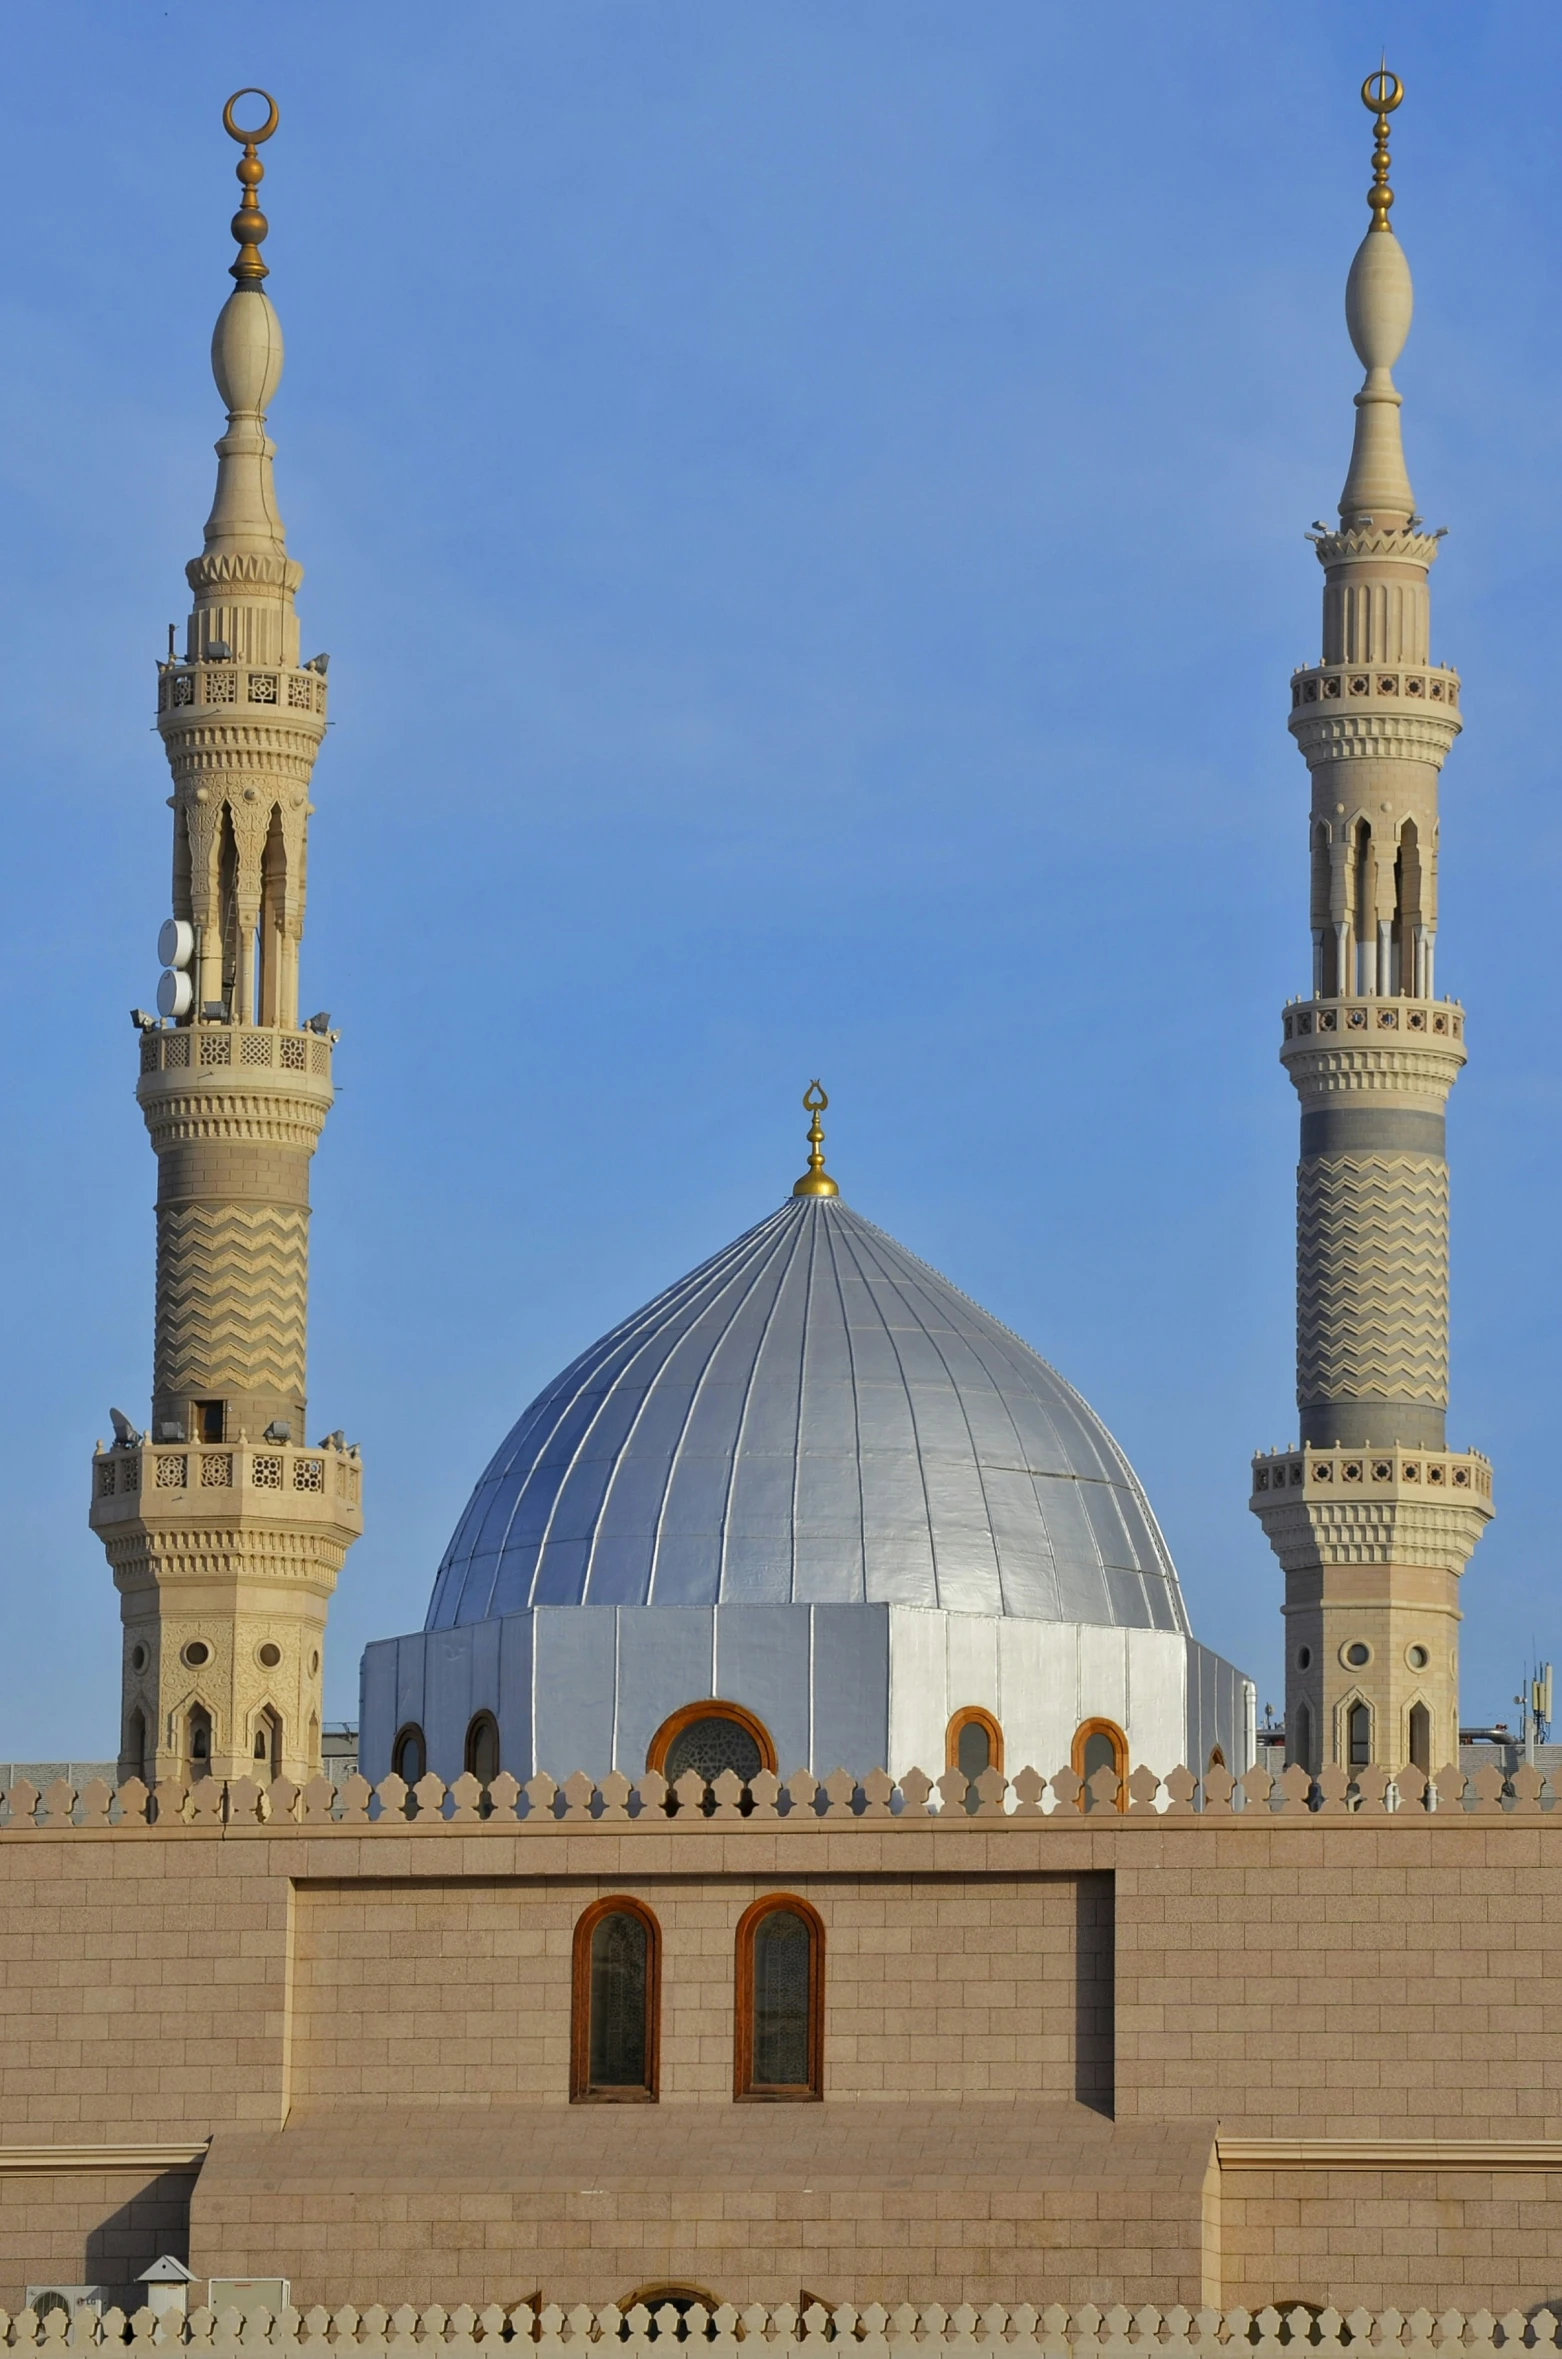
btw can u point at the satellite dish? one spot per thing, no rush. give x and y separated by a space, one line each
176 942
175 992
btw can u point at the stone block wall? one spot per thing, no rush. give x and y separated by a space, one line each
1308 2046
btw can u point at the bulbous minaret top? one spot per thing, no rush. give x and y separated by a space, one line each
1378 304
244 530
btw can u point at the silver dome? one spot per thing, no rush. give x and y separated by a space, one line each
811 1417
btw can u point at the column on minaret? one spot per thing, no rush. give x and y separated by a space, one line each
225 1531
1372 1517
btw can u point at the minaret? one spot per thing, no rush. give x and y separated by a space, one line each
225 1532
1370 1514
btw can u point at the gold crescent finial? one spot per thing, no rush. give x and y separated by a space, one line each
249 223
1380 95
815 1181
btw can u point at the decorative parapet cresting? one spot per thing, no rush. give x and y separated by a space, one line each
723 2330
1064 1803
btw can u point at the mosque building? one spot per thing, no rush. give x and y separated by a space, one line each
806 1845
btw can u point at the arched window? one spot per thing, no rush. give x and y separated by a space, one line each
1358 1735
780 2000
409 1754
482 1748
1100 1744
1217 1757
1421 1739
268 1745
617 2004
198 1740
709 1738
680 2296
973 1741
135 1744
1300 1743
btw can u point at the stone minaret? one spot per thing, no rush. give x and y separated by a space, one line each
1371 1515
225 1532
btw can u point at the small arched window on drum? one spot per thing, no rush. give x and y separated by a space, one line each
482 1748
780 2001
709 1738
1101 1744
616 2004
409 1754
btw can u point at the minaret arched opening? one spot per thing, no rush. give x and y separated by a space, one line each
271 946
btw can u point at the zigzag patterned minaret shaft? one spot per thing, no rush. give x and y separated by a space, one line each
224 1530
1371 1516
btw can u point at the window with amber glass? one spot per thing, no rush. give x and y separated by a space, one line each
973 1741
616 2004
1101 1744
780 2000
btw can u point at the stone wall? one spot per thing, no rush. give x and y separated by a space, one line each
1308 2047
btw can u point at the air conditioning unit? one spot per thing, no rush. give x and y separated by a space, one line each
70 2298
248 2294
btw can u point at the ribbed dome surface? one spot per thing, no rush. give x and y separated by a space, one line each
813 1416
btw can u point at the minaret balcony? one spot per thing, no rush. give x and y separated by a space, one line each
218 1050
1373 1049
235 1081
260 691
1432 1018
1390 1473
1388 712
180 1483
1402 687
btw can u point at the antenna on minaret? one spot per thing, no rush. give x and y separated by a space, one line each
249 223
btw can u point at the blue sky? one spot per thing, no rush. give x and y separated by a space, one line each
806 507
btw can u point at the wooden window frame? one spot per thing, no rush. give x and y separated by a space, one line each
409 1728
617 1904
675 2289
744 2091
973 1715
713 1708
1082 1735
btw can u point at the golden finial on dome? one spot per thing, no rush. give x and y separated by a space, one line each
249 223
815 1181
1380 95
